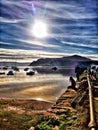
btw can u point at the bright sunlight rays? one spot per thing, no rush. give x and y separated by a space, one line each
39 29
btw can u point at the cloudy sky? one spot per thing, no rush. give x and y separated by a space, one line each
37 28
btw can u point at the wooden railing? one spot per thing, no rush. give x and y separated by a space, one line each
92 123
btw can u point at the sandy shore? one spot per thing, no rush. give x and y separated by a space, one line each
40 87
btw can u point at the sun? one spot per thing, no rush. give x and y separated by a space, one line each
39 29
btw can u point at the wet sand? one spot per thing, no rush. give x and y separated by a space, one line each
46 87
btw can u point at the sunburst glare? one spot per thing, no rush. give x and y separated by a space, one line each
39 29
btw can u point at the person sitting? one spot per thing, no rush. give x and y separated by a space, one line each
73 84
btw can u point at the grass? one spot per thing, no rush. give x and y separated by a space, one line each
13 121
2 102
83 75
67 120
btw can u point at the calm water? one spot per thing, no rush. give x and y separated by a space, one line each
39 86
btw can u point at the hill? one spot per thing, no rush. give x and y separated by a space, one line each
70 61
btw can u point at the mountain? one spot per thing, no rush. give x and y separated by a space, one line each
64 65
69 61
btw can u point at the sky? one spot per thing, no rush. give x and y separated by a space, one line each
70 27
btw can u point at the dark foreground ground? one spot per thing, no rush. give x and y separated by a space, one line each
21 114
38 115
41 115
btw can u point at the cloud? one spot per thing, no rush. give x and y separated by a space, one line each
71 24
4 20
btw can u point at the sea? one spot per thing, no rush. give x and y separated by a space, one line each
46 86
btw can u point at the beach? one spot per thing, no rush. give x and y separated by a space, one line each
46 87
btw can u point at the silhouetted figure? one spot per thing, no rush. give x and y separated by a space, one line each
77 71
73 84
